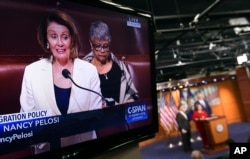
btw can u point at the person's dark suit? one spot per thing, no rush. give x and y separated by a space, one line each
183 123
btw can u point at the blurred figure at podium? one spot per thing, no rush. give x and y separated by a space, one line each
184 128
200 114
204 103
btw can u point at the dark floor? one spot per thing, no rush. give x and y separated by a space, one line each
161 150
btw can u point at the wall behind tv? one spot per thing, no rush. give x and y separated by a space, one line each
243 76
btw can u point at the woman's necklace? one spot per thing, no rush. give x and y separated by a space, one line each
102 68
106 76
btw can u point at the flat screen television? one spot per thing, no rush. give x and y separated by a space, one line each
132 42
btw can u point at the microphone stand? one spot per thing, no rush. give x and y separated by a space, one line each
105 103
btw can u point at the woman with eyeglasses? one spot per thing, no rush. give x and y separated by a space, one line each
116 83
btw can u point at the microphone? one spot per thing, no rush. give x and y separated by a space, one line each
67 74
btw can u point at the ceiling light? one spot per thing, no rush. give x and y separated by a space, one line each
211 46
237 22
242 59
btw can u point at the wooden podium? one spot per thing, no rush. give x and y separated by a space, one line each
217 133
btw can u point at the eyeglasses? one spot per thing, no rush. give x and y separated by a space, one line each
99 47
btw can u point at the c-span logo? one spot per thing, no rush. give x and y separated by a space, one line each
239 150
136 112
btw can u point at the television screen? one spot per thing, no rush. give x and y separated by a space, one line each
107 106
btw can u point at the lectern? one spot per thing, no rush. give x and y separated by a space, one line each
217 133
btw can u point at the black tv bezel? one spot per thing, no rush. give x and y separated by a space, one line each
102 145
